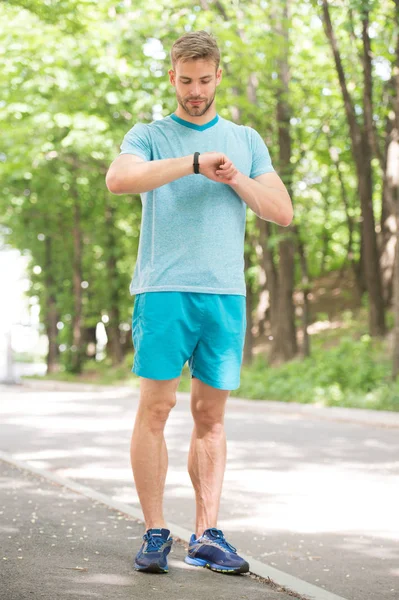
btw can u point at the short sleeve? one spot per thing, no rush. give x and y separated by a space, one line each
261 161
137 141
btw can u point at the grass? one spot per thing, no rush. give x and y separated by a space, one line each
346 368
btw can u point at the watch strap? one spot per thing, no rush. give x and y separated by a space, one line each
196 163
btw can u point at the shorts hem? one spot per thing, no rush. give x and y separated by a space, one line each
216 384
142 373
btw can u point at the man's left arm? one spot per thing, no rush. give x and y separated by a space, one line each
265 194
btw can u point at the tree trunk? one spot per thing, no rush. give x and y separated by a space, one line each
393 182
362 150
284 342
263 298
371 259
76 348
271 272
90 342
113 333
51 313
387 236
126 341
325 235
305 288
395 354
394 148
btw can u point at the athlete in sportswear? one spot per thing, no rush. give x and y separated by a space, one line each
196 172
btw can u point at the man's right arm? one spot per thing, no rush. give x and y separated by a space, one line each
130 174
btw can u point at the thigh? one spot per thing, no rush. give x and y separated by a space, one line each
164 330
217 358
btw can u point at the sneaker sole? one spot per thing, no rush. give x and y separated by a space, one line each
199 562
152 568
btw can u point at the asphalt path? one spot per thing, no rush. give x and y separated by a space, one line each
57 544
311 493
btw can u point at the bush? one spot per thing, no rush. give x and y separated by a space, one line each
353 373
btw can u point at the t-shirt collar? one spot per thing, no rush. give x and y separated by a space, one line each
193 125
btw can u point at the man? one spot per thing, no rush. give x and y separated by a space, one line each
196 173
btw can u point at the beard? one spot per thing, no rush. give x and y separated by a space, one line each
195 111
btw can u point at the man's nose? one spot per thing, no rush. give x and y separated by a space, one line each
195 90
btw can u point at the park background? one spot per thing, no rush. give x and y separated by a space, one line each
319 80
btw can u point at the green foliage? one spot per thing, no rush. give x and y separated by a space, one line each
77 74
353 373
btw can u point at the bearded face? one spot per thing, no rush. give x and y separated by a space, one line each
195 82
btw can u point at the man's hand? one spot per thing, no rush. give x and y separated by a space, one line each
216 166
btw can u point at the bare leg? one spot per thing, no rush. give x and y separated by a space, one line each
207 455
148 452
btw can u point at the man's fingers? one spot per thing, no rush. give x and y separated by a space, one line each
225 168
227 173
226 165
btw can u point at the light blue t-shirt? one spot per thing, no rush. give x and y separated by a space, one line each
192 229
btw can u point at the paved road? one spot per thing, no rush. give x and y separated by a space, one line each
314 497
58 544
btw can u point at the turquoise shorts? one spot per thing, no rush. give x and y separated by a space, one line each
207 330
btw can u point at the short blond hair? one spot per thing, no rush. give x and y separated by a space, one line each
193 46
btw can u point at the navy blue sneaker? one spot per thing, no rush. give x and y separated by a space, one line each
211 550
151 557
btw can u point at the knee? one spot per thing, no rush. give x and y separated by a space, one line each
208 417
156 413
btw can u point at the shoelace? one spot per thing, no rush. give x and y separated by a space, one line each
154 543
218 537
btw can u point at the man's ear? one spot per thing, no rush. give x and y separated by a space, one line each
218 76
172 76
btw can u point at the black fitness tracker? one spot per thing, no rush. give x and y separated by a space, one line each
196 163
